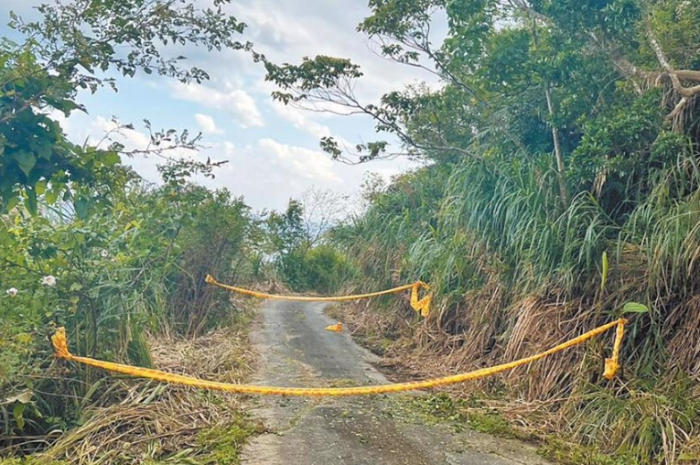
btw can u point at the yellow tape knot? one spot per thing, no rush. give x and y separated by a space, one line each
60 343
421 305
209 279
612 365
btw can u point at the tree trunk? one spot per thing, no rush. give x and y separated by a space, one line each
561 169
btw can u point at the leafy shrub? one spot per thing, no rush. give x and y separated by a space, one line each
135 267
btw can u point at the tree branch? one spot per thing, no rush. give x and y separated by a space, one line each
686 93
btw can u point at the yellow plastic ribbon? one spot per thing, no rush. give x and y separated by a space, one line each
60 345
337 328
419 305
613 364
422 305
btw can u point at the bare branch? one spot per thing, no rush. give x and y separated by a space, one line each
678 108
686 93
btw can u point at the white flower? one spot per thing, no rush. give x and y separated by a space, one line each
48 281
12 292
105 253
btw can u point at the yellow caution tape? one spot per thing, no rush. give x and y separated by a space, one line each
338 327
611 366
419 305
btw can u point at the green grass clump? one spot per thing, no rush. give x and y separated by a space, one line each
223 444
440 408
493 423
469 413
566 453
643 423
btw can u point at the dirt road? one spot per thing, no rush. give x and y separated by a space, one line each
296 351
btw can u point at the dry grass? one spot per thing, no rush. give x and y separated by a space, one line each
563 396
222 354
158 422
537 326
683 334
488 336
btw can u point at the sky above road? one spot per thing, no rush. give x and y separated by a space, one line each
272 150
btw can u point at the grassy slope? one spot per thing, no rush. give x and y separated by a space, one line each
138 421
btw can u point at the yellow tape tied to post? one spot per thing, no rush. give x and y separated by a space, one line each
611 366
419 305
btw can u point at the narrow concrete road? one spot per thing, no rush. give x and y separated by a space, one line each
295 350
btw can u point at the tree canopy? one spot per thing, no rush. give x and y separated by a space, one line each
85 45
519 79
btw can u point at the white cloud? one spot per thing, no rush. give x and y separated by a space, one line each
301 120
267 172
103 131
300 162
229 148
270 170
207 124
232 99
61 119
285 32
274 25
288 31
304 121
131 138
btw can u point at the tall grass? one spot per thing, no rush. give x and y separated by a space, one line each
516 272
516 212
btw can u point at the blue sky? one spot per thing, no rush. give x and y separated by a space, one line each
272 150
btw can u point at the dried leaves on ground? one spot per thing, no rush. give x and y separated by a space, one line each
157 423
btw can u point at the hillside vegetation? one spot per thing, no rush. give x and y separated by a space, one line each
562 131
560 179
87 244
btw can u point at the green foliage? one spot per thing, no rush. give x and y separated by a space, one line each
396 218
286 230
565 453
300 262
34 153
136 266
675 22
556 138
83 244
605 270
634 307
222 445
661 415
322 269
326 269
207 233
82 38
69 49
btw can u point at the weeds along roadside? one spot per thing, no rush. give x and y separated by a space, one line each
593 425
157 423
120 279
514 274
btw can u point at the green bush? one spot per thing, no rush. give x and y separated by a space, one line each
136 266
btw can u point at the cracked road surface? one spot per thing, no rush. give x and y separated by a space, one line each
295 350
